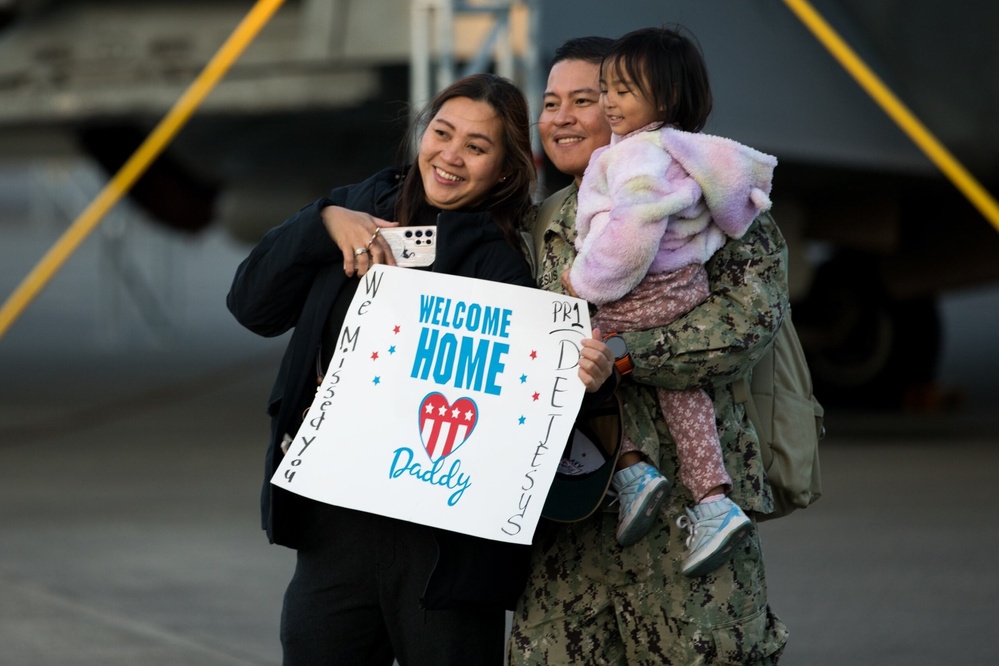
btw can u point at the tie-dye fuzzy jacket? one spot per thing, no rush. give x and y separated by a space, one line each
657 200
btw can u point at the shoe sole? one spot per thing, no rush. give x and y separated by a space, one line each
642 522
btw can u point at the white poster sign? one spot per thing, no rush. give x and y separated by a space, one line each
448 403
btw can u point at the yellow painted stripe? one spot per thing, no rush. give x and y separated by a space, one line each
897 111
137 164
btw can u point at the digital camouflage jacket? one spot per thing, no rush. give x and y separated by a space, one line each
716 343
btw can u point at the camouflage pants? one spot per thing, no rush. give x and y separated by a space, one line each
590 601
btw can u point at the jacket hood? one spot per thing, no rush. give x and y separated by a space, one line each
734 179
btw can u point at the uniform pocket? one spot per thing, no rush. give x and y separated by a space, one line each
749 640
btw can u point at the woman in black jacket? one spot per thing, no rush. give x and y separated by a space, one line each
368 589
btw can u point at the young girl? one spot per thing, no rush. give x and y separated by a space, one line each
654 206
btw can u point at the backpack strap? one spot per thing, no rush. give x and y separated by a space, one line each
742 394
740 390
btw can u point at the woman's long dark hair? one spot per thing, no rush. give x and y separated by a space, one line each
510 199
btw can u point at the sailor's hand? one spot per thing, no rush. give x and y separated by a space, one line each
596 363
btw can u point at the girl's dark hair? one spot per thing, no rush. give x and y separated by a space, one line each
667 67
510 198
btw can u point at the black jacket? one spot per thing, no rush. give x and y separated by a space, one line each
291 280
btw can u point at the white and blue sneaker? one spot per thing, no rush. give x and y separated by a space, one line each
715 529
641 490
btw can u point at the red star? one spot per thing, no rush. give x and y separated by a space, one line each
395 329
374 356
534 355
535 396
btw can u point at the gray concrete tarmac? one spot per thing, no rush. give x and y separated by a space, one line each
129 529
130 535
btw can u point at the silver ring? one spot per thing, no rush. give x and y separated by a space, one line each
373 237
358 251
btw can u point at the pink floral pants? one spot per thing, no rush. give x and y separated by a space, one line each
661 298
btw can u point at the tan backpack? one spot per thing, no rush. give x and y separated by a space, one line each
788 420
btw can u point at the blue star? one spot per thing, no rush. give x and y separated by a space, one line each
523 378
377 381
392 349
521 420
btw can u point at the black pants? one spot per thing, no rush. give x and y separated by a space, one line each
355 600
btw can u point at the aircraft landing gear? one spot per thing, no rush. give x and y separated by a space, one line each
866 349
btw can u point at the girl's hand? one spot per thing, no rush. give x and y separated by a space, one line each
353 232
567 284
596 363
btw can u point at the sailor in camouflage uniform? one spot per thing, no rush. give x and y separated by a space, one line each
592 601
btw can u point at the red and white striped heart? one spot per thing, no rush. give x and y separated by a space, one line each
445 427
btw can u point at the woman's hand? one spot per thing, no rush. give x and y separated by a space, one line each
596 363
352 232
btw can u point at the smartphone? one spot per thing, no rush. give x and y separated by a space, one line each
412 246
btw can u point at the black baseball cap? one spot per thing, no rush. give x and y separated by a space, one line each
588 463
